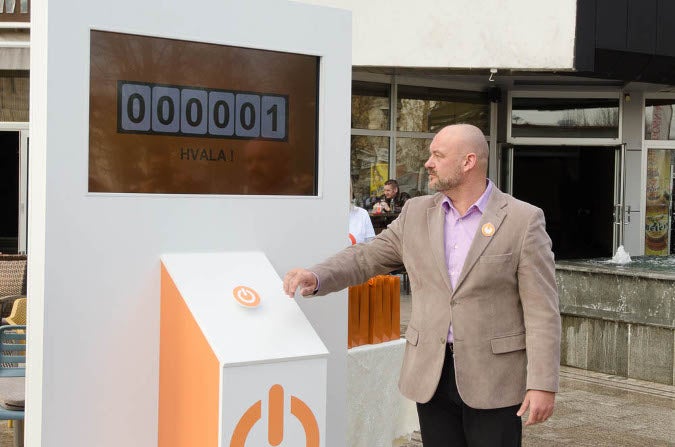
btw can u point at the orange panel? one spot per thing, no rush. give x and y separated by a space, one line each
374 314
352 316
386 307
396 308
375 290
364 315
189 376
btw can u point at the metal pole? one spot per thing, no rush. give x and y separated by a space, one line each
622 192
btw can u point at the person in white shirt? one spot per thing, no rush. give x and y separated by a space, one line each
360 227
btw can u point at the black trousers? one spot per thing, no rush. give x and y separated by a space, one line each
446 421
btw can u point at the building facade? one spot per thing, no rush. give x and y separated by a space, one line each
575 97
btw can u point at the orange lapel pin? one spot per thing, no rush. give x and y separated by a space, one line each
488 229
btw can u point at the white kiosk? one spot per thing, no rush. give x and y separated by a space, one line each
150 126
239 361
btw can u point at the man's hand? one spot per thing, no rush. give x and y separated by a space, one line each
302 278
540 404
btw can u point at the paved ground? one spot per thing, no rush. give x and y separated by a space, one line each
598 410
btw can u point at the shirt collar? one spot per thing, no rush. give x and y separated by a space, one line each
480 204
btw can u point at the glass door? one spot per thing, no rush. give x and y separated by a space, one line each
576 188
621 213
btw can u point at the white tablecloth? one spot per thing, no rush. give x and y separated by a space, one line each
377 414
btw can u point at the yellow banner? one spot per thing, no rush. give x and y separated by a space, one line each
379 173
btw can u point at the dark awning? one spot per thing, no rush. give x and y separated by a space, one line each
630 40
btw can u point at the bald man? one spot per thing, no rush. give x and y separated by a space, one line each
483 343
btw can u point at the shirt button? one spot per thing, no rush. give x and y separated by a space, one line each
444 340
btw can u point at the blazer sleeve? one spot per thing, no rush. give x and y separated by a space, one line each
539 298
357 263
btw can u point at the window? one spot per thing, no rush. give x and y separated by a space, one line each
411 154
370 106
369 167
565 117
14 96
659 122
386 147
424 109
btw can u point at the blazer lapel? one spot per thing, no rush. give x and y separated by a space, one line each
436 225
495 211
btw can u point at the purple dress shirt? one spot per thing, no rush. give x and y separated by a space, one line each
459 233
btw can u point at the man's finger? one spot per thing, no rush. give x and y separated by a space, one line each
532 418
291 282
523 407
295 283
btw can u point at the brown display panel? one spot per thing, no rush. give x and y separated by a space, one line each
225 120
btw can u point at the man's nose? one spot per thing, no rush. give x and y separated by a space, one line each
427 164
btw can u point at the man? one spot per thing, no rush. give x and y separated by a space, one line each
483 343
393 199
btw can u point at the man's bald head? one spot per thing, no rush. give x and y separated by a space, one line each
468 139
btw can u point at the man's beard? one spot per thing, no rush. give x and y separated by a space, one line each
445 184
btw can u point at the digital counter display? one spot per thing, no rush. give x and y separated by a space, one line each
178 117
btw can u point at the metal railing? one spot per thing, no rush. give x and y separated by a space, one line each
14 11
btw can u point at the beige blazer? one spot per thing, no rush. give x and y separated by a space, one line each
504 309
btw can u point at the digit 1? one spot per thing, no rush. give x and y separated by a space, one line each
273 111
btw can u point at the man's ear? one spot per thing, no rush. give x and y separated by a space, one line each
470 161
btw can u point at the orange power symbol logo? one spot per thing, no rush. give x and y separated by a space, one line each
246 296
275 429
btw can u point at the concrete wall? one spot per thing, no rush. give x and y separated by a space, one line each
524 34
613 347
94 264
622 324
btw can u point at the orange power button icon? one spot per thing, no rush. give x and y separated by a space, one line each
275 420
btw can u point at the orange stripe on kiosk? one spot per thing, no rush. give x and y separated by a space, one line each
188 408
262 373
